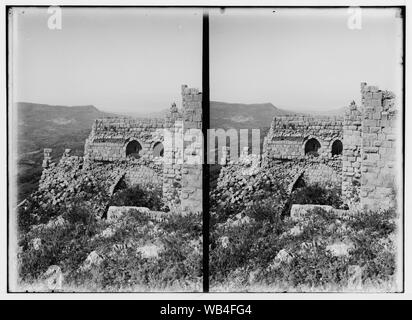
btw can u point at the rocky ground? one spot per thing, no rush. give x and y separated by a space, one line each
130 253
65 244
257 246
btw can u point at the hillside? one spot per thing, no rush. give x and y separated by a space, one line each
155 114
42 126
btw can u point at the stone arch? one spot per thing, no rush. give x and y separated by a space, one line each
312 146
158 149
133 149
337 147
297 182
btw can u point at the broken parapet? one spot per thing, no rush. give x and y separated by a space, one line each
67 152
47 157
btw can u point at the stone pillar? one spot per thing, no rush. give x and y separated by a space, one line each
352 153
191 196
172 161
378 182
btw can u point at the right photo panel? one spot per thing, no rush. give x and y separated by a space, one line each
306 149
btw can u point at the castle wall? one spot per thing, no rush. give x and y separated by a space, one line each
379 142
367 167
128 146
192 195
183 160
324 172
109 138
327 173
352 153
173 159
143 176
286 142
288 135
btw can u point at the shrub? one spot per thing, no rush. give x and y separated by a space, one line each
65 244
78 233
252 248
316 194
138 197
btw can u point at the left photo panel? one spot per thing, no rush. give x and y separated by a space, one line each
105 149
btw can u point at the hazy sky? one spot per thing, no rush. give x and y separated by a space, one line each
134 60
302 59
124 60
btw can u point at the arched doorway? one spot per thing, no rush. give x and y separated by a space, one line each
158 150
133 149
312 146
337 147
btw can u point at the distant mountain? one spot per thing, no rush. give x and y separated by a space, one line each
331 112
156 114
243 116
42 126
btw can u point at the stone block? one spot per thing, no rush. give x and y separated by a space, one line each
299 211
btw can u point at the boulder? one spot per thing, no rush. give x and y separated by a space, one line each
93 259
355 277
115 212
340 248
301 210
150 251
53 278
283 256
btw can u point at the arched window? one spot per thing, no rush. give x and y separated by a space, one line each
337 147
133 149
312 146
158 149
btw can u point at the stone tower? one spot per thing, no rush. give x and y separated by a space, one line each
183 157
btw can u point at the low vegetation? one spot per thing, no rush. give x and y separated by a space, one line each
131 253
258 247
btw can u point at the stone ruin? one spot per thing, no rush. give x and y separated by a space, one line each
143 152
356 153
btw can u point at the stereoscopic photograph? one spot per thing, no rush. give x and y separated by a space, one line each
105 110
280 128
306 150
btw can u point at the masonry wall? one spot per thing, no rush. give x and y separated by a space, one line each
288 135
379 143
192 195
178 172
352 153
109 138
173 160
143 176
284 148
182 184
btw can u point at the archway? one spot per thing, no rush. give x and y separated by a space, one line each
337 147
133 149
312 146
158 149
